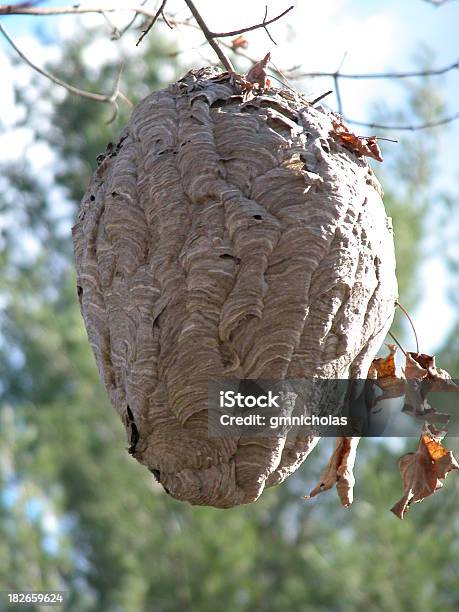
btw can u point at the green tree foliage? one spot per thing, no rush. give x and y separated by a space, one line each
80 514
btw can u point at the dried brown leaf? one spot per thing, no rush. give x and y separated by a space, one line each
420 365
367 146
384 370
257 73
423 471
339 471
373 146
385 366
413 369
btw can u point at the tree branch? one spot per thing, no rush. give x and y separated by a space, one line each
26 9
263 24
210 37
108 99
407 128
18 9
266 29
339 102
321 97
132 20
380 75
152 22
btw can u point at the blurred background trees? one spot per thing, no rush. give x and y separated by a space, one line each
78 514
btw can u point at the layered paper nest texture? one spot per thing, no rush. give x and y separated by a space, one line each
228 234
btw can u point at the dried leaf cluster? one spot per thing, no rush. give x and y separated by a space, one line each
257 80
249 85
424 470
367 146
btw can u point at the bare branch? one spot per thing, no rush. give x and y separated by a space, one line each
107 99
266 29
380 75
26 9
131 21
29 8
411 128
321 97
263 24
342 75
413 327
339 102
210 37
407 128
166 21
159 12
394 338
115 33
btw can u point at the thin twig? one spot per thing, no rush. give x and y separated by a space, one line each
341 64
397 342
210 37
284 80
370 125
336 77
21 9
344 75
406 128
14 9
131 21
339 102
379 138
126 99
75 90
321 97
152 22
107 99
166 21
26 8
263 24
379 75
115 34
407 315
266 29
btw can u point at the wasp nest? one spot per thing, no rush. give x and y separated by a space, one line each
228 234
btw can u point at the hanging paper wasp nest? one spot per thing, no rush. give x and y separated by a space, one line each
234 231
